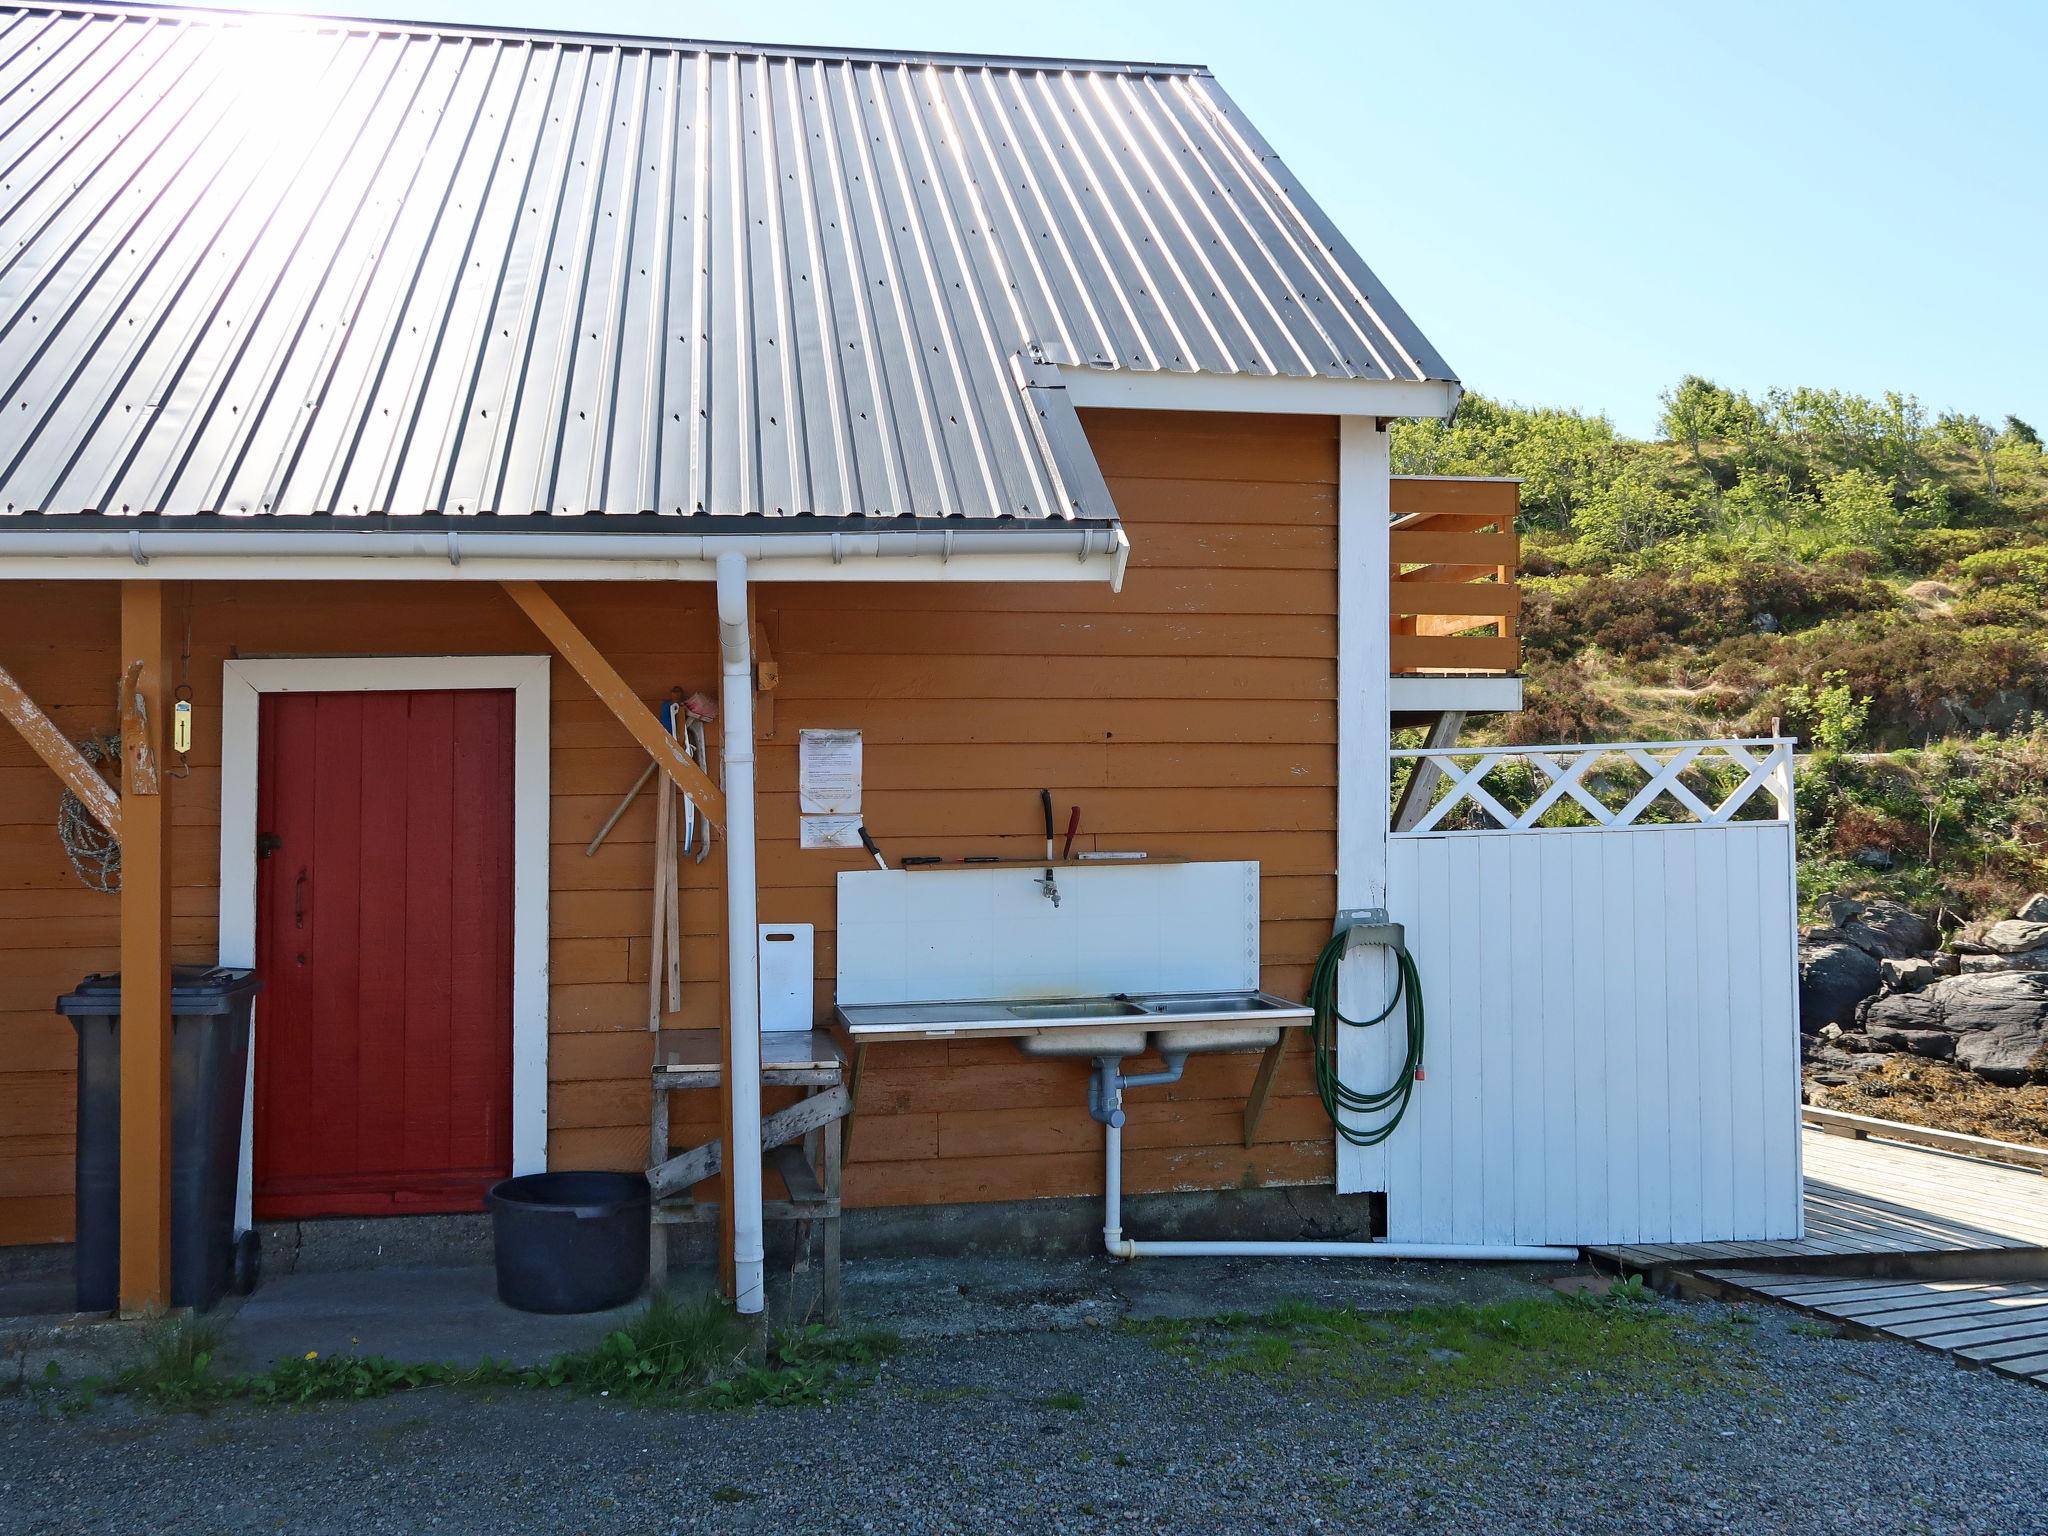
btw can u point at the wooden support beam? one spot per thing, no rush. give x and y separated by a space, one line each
681 1172
55 749
574 647
147 647
1262 1087
1419 793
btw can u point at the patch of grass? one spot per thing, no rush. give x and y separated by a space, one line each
1633 1289
1539 1344
804 1366
668 1350
1069 1402
687 1355
174 1367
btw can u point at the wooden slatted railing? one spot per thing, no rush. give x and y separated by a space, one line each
1455 601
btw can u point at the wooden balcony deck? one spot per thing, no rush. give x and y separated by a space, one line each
1456 604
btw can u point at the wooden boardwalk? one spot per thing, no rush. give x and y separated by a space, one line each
1868 1199
1907 1241
2000 1325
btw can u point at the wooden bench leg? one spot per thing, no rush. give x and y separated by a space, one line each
657 1231
834 1136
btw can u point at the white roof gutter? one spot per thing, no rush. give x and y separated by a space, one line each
1041 553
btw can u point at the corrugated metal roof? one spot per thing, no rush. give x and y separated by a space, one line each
265 265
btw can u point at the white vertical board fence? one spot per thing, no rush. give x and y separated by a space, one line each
1612 1051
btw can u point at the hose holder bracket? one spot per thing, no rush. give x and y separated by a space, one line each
1368 925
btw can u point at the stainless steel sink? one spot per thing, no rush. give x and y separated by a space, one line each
1228 1015
1077 1008
1211 1005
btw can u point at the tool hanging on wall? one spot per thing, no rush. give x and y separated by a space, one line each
868 843
682 716
698 708
1048 887
664 964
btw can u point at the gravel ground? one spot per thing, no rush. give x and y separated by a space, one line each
958 1435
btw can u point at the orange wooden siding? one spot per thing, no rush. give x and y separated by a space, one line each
1194 714
1456 602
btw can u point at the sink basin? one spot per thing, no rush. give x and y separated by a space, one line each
1211 1004
1077 1008
1229 1016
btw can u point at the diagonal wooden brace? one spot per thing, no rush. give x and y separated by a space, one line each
575 647
680 1172
55 749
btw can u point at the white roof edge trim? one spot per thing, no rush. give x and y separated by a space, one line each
1278 395
1041 555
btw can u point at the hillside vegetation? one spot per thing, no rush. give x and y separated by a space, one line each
1873 578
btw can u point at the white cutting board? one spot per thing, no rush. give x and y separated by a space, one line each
786 950
967 933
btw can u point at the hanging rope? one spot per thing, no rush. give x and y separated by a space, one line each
95 855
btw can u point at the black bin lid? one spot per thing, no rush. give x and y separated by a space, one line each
195 989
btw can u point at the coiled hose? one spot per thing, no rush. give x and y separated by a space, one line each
1339 1100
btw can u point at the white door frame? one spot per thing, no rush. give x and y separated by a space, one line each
242 685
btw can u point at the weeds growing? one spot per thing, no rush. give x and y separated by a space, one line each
694 1355
1615 1343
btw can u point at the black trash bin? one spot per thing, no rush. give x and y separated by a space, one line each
209 1069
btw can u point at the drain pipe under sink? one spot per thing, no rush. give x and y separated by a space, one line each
1106 1087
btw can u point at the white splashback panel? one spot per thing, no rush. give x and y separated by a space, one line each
950 935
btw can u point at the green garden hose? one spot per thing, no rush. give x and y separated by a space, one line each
1338 1099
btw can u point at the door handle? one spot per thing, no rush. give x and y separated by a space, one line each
299 899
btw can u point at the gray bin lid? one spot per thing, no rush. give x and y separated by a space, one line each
195 989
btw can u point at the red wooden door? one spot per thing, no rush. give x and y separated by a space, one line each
384 939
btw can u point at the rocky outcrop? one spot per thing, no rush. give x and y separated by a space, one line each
1912 975
2014 937
1883 930
1995 1023
1835 976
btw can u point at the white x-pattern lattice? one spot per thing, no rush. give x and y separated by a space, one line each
1766 764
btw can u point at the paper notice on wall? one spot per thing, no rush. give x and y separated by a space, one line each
828 832
828 773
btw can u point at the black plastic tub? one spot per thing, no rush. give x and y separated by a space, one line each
570 1242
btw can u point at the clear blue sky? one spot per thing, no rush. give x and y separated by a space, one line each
1580 202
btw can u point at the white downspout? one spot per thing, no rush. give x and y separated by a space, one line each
743 1148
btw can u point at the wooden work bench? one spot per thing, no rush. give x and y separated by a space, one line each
804 1143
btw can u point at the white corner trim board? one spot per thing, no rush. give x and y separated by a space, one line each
242 685
1364 513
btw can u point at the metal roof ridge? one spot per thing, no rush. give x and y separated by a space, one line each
649 42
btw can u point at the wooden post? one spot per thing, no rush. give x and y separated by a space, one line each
146 651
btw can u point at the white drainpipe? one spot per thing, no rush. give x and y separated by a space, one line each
743 1146
1108 1109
